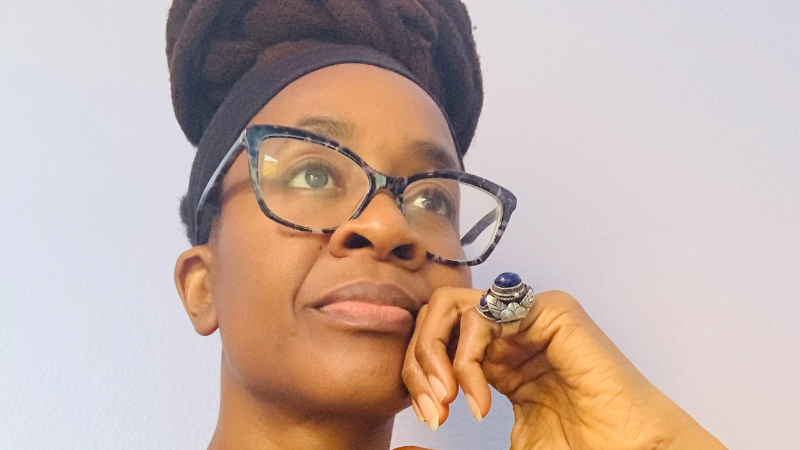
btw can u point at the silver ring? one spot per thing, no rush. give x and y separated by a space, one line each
508 300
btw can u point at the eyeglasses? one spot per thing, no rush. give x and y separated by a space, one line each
313 184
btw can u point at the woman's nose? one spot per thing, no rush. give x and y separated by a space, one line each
381 230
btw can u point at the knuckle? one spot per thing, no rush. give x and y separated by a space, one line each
558 295
423 350
561 301
408 373
561 311
503 385
450 296
472 315
461 367
421 314
439 301
438 296
505 381
444 291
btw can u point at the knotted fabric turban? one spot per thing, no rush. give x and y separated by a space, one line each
228 58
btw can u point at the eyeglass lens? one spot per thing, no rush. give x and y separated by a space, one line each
311 185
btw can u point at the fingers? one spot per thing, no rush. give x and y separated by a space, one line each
511 355
557 333
556 344
476 334
433 335
553 313
417 384
428 372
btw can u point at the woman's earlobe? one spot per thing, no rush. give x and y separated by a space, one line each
192 281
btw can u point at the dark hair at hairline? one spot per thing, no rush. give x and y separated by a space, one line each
211 210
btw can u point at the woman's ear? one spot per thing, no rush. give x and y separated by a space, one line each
194 286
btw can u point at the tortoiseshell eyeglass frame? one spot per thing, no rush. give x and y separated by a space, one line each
251 138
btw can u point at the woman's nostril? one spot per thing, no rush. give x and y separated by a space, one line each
404 251
356 241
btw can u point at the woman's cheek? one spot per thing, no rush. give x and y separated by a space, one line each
258 266
453 276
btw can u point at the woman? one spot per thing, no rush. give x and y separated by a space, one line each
333 229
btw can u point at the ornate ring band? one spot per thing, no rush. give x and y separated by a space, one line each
508 300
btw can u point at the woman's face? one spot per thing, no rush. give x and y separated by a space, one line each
297 311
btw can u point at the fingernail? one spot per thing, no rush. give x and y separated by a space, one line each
438 388
416 411
473 407
429 411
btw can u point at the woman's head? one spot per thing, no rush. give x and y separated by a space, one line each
265 285
318 321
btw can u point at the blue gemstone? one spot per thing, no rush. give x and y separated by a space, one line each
483 301
507 280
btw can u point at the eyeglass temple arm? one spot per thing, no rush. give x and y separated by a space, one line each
222 168
478 228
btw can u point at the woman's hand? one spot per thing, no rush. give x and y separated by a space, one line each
570 387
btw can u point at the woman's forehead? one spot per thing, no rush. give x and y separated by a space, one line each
433 154
372 110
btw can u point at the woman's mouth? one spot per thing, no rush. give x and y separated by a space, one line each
369 316
369 306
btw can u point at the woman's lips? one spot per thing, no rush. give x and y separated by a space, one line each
369 316
369 306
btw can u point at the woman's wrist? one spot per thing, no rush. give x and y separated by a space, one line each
687 434
670 426
693 437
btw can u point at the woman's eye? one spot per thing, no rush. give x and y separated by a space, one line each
314 176
433 201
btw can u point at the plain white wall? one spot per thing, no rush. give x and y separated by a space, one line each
654 147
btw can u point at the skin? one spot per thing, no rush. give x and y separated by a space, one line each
292 379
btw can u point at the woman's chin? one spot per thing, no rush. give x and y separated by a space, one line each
373 400
361 380
362 387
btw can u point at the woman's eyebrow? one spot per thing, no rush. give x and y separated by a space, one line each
435 155
327 127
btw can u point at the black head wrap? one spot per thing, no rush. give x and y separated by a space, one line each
228 58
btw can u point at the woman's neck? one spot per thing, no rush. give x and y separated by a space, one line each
246 422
